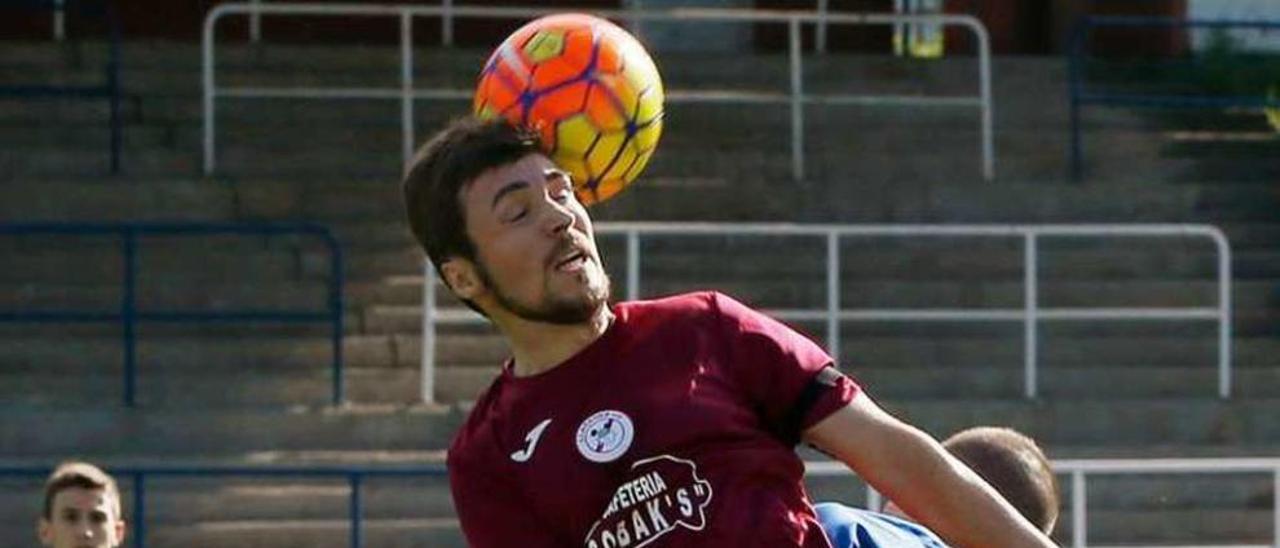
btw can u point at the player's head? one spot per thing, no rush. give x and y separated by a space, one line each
502 226
81 508
1014 465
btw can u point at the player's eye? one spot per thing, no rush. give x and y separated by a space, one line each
516 215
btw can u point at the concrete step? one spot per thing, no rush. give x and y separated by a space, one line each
1195 527
1110 155
1241 203
693 133
1057 382
457 67
1095 413
681 260
105 263
374 155
106 429
166 292
384 229
1247 294
1185 421
1153 493
1093 420
1181 260
385 370
176 291
1246 323
115 199
479 347
367 200
175 198
944 383
162 388
173 501
194 352
32 162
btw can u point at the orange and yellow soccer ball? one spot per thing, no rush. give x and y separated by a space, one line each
588 88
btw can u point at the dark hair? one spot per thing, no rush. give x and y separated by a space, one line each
76 474
1015 466
444 166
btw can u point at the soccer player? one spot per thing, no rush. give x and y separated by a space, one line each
665 423
81 508
1011 462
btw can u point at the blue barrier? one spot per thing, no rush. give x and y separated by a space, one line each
109 89
129 316
1080 97
354 475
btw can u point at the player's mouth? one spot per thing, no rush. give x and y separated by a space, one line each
574 261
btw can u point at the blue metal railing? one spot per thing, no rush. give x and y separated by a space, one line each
129 315
355 476
1079 96
108 89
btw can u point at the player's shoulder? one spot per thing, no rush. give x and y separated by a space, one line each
697 303
471 438
854 527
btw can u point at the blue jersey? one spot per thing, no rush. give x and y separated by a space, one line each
856 528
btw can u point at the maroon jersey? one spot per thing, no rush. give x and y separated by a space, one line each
676 427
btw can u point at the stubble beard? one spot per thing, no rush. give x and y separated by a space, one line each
552 310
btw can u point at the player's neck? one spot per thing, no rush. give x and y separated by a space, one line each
541 347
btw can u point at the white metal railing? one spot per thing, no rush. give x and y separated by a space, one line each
1030 314
795 97
59 20
1079 469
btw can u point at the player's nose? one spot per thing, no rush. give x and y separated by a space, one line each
558 217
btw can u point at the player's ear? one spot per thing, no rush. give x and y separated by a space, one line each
120 530
462 277
44 531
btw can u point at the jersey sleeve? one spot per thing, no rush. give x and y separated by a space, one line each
792 381
491 513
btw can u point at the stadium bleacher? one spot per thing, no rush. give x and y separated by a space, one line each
249 394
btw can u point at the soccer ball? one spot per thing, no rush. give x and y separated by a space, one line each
588 88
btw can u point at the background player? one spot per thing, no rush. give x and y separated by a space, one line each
669 422
81 508
1011 462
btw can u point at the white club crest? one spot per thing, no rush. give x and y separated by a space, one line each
605 436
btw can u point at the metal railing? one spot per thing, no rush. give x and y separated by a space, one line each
109 89
355 476
129 315
1030 314
59 21
407 93
1081 97
1079 469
